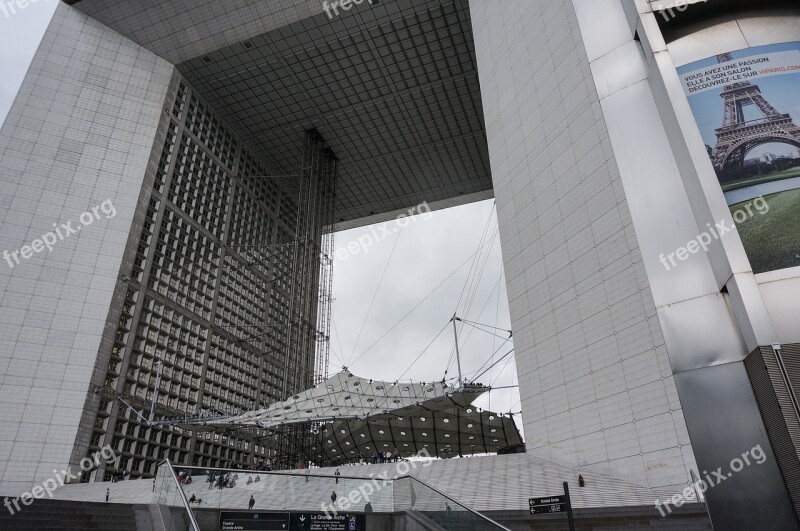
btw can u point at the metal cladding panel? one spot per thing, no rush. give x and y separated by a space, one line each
686 327
395 96
392 87
720 410
782 425
595 380
781 292
77 135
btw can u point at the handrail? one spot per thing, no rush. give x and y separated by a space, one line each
473 511
273 472
180 491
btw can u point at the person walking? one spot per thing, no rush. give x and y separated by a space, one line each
337 474
251 503
333 497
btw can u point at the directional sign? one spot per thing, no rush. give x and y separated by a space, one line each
550 504
249 521
328 522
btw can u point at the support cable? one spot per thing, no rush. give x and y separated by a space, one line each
377 289
450 359
491 358
415 307
487 326
469 279
480 245
499 374
495 363
477 285
338 341
490 333
423 351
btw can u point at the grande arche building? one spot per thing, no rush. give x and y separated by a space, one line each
572 114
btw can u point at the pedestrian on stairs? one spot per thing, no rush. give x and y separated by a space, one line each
251 503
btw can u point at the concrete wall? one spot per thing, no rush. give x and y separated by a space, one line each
595 379
599 169
80 132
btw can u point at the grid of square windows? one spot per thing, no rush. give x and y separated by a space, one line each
210 131
200 187
203 290
254 176
179 104
185 265
241 303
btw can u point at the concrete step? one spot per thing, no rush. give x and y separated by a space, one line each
692 518
61 515
55 511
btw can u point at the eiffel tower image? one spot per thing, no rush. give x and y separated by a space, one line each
737 136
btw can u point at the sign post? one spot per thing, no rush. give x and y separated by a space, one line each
569 507
554 504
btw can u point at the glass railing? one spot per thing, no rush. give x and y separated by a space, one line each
212 488
240 490
171 501
411 494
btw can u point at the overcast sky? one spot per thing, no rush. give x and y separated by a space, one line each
393 297
428 264
20 34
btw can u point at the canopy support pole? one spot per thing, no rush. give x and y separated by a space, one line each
458 356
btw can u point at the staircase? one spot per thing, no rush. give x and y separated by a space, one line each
492 483
506 482
688 518
56 514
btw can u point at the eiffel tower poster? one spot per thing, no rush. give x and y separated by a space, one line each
747 106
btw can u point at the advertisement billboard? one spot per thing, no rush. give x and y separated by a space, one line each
747 106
